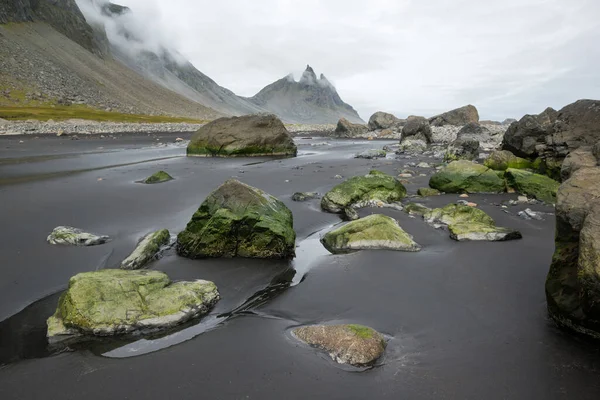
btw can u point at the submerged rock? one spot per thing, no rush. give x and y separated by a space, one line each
465 176
460 116
75 237
416 209
573 282
238 220
304 196
112 302
371 154
363 190
469 223
146 250
245 136
356 345
375 232
159 177
539 186
503 159
426 192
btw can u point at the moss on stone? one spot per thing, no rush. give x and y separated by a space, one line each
426 192
372 232
158 177
205 149
504 159
238 220
376 186
416 209
466 176
539 186
362 331
147 249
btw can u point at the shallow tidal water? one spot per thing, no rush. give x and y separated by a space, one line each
463 320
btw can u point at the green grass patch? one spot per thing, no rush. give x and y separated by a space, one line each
62 113
361 331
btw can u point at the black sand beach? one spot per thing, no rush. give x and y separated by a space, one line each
464 320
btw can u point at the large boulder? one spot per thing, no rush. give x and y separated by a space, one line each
245 136
460 116
111 302
469 223
361 191
237 220
534 185
462 149
346 129
382 120
573 283
356 345
474 131
416 128
374 232
469 177
523 137
502 160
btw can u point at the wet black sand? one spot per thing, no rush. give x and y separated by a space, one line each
465 320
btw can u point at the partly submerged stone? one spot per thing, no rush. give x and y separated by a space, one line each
371 154
245 136
75 237
238 220
112 302
350 214
416 209
469 223
363 190
375 232
356 345
159 177
304 196
466 176
502 160
146 250
426 192
539 186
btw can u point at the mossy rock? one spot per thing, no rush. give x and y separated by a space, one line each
357 345
504 159
539 186
238 220
113 301
305 196
416 209
373 232
159 177
146 250
469 223
363 190
67 235
466 176
426 192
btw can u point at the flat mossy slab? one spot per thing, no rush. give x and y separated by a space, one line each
467 177
67 235
539 186
112 302
371 154
356 345
158 177
363 190
147 249
469 223
426 192
374 232
238 220
502 160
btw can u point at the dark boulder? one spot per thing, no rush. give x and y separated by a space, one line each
523 137
458 117
382 120
346 129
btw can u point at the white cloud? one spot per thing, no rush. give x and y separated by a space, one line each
508 57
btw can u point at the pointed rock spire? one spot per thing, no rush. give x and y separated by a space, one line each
308 76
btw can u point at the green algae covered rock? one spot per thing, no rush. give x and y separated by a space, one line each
66 235
363 190
159 177
466 176
111 302
373 232
245 136
357 345
503 159
426 192
305 196
469 223
416 209
238 220
146 250
539 186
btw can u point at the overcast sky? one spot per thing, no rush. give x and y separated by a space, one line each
507 57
